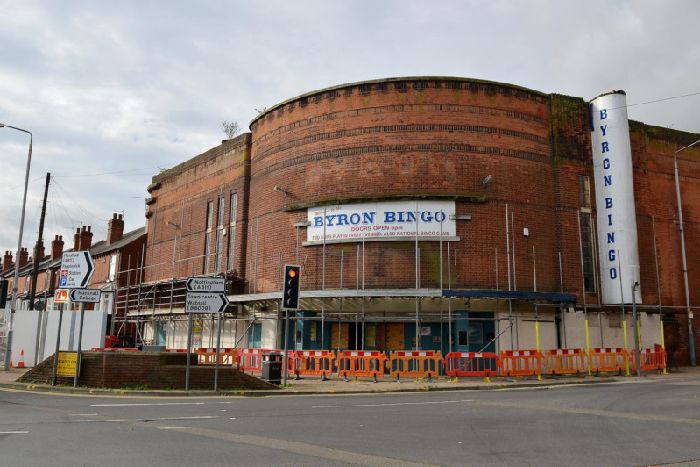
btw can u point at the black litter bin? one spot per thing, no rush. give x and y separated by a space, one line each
272 368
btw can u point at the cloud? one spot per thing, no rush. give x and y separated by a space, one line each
114 91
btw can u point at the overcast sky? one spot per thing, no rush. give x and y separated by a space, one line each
116 91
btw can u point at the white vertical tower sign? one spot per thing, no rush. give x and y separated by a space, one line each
614 190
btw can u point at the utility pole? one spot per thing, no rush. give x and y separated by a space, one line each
691 337
39 242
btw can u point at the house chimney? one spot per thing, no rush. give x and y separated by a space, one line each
57 247
115 228
7 261
39 252
76 240
85 238
23 257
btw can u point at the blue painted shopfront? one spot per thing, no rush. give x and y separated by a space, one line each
471 332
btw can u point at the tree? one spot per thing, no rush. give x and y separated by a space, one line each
231 129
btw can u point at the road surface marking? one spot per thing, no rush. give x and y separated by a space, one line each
301 448
406 403
147 405
159 419
13 432
594 412
323 406
82 414
171 427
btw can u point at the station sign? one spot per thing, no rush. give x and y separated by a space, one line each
77 268
206 302
206 284
85 295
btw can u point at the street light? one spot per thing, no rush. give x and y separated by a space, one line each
15 284
691 338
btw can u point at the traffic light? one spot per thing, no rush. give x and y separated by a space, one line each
290 293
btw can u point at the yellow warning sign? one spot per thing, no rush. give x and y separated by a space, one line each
66 364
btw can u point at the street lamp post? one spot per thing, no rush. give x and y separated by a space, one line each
691 338
15 284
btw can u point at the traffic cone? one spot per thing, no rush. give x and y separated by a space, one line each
20 364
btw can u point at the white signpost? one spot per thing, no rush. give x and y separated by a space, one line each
206 302
76 271
205 284
77 268
205 295
85 295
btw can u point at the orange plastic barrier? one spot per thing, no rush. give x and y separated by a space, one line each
520 363
361 363
471 364
607 360
251 359
114 349
292 362
313 363
205 356
565 361
652 359
415 364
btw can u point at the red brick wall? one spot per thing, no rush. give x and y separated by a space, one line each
177 215
407 138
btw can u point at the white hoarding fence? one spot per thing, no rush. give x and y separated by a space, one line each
617 223
381 221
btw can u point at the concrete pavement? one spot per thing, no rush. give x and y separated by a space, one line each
335 385
648 421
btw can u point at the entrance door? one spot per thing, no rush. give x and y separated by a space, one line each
473 331
395 337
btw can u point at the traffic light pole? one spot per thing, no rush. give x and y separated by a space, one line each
290 301
286 346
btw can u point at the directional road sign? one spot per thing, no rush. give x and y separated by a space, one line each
206 302
76 270
206 284
85 295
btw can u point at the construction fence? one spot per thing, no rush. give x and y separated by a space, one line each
411 364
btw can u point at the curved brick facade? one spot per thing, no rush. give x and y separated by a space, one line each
407 138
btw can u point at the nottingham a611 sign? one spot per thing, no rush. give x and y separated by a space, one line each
76 270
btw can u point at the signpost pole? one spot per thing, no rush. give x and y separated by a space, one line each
80 342
189 344
218 346
58 344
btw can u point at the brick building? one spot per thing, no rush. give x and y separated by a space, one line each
111 256
506 175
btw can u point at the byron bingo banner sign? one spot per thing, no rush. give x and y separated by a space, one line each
387 220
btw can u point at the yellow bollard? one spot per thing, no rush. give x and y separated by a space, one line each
663 346
627 358
588 347
537 345
639 335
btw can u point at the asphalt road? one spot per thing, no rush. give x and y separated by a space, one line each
647 422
